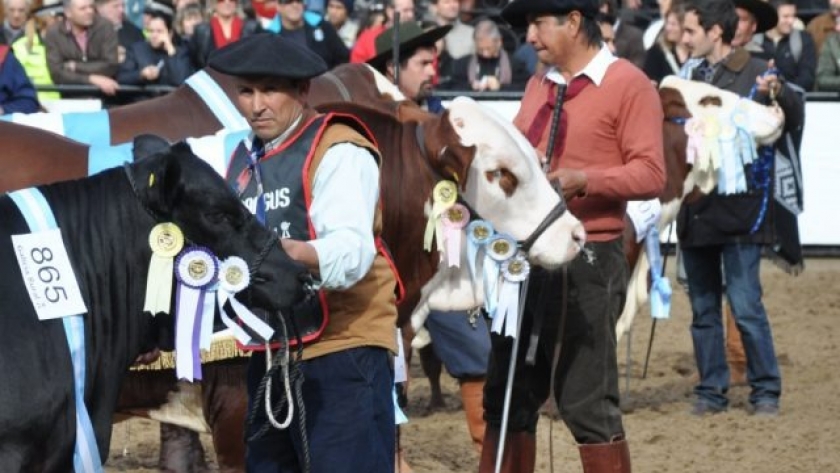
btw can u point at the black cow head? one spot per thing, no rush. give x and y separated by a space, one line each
176 186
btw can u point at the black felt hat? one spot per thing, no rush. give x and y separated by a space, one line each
765 15
412 36
267 54
516 12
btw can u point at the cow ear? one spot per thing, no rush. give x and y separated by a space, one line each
446 153
161 178
147 145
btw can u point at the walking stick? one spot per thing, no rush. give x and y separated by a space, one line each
653 325
523 293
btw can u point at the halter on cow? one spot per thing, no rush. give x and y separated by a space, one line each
105 223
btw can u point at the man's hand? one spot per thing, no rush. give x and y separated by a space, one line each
573 182
107 85
769 84
150 73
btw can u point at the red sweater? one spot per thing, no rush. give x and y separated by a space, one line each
615 136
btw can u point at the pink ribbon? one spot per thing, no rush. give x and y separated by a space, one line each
454 220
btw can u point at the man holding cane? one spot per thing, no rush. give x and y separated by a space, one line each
607 150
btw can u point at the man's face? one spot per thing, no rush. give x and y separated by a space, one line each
417 75
225 8
699 42
787 16
112 11
80 13
405 8
157 33
550 38
291 11
488 47
16 13
448 10
270 104
746 28
608 35
336 13
834 6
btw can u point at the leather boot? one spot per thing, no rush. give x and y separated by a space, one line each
611 457
472 396
735 355
520 452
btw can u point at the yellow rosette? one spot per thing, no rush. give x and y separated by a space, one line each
444 196
166 240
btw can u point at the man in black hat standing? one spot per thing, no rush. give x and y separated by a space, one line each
729 230
607 150
416 71
314 179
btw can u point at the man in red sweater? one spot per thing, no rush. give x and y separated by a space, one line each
608 150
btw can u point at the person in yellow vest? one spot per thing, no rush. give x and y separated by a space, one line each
30 51
314 179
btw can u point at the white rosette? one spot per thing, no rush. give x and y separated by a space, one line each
499 248
514 272
233 278
195 270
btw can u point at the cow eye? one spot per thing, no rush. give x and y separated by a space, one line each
505 178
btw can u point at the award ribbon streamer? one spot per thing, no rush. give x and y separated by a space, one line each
444 196
166 240
515 270
660 288
500 248
195 270
478 233
233 278
454 220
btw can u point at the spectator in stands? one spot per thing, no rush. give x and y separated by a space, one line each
489 68
828 69
526 54
606 24
225 26
161 59
365 47
793 51
127 32
668 53
309 30
16 13
459 42
417 62
83 48
187 18
628 38
822 26
29 49
17 94
339 14
655 27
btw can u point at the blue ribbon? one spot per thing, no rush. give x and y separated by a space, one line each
39 216
660 289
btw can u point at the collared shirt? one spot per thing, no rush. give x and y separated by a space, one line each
595 70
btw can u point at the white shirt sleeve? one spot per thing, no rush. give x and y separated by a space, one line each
344 199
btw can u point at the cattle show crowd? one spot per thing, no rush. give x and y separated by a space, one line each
595 121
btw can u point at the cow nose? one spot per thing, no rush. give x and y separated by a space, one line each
579 235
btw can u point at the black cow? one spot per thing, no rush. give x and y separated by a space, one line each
105 222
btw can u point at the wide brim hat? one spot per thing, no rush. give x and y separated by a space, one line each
516 12
765 15
267 55
411 37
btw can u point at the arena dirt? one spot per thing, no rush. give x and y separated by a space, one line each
805 315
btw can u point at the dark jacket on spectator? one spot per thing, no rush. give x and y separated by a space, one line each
801 72
201 43
17 94
100 56
661 62
174 70
629 44
318 35
461 74
129 34
828 70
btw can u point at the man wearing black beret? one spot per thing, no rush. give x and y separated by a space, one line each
314 179
607 150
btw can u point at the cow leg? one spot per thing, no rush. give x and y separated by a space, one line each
180 450
226 409
432 367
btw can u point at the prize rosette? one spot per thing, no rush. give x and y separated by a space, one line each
444 196
195 271
454 220
234 277
478 234
166 241
499 248
515 271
